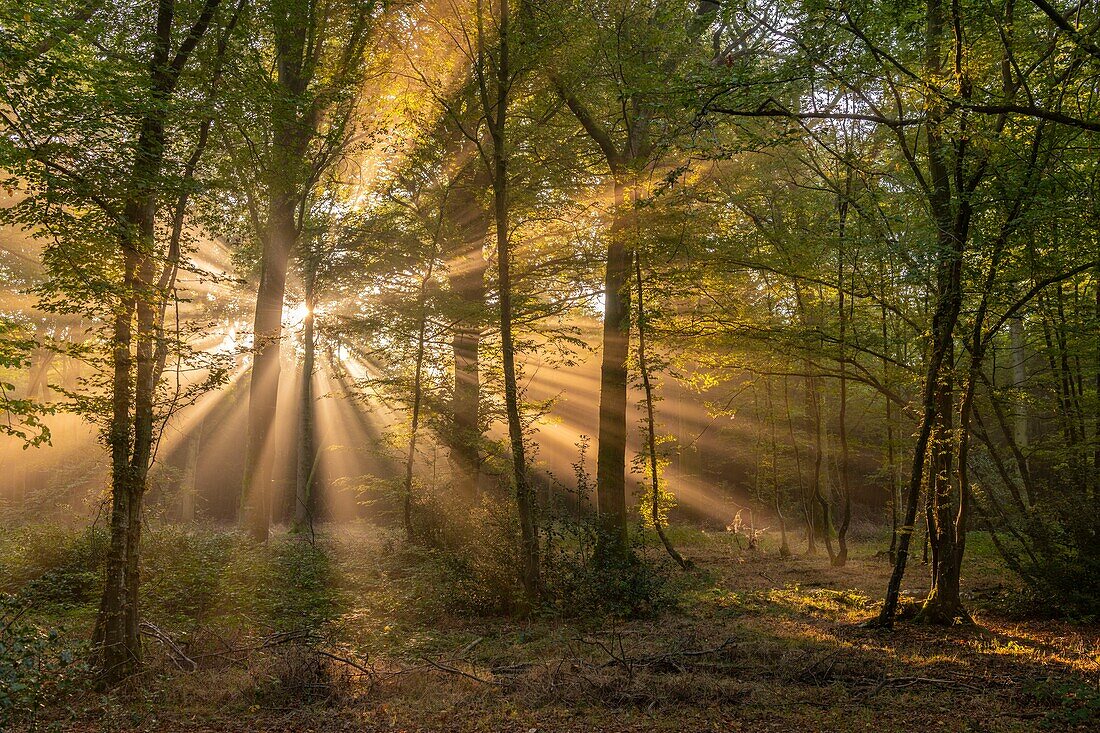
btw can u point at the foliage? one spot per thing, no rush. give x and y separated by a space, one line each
52 564
20 418
185 573
470 550
1070 703
37 666
302 590
585 576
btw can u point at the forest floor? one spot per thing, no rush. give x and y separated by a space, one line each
367 640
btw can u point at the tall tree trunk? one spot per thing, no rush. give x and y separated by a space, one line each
611 452
188 498
819 501
133 385
130 435
263 389
894 476
952 229
784 547
414 423
119 650
292 128
803 494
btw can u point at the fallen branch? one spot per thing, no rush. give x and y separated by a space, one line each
175 652
354 665
455 670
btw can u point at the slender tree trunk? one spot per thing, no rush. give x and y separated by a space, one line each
818 499
784 547
38 386
188 498
651 429
807 504
305 501
841 557
894 477
1019 381
414 423
498 114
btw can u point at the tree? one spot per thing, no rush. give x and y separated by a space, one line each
107 207
320 52
619 108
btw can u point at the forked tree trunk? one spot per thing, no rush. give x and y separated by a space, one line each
133 385
952 230
497 112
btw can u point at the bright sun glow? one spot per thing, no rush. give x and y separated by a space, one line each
294 315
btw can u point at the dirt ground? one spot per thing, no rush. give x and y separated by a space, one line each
756 642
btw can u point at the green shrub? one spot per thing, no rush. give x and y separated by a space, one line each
587 574
183 570
1069 703
51 564
36 665
473 549
302 590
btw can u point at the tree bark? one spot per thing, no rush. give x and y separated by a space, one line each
841 557
784 547
952 229
292 127
189 481
803 495
611 452
414 422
